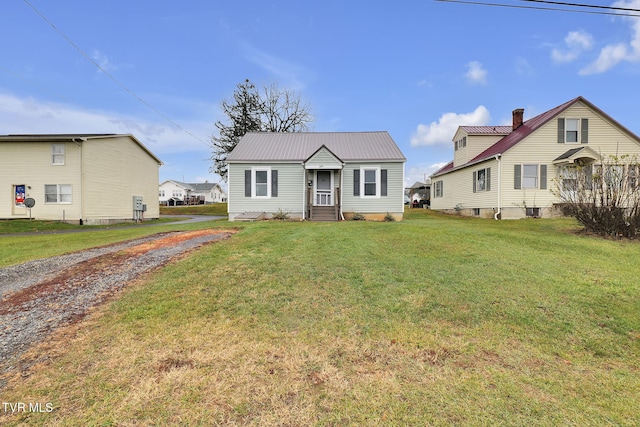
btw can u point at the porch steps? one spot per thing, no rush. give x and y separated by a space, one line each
323 213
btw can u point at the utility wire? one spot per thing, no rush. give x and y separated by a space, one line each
595 6
108 74
555 9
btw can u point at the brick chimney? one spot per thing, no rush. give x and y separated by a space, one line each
518 114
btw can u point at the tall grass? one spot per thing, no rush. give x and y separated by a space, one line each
435 320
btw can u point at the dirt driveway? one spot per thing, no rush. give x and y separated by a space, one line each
39 296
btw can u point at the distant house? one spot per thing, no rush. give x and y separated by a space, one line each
82 178
173 193
512 171
316 176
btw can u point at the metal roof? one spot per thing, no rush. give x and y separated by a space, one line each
526 129
299 146
487 130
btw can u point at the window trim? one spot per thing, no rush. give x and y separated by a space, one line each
438 190
378 182
54 155
254 182
59 194
486 182
524 176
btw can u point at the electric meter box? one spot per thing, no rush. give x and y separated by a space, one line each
137 203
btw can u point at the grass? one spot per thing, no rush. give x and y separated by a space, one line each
214 209
436 320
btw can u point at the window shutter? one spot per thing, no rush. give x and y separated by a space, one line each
488 183
517 176
584 131
560 131
383 182
274 183
588 171
543 177
247 183
356 182
475 178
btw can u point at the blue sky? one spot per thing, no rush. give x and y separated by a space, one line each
417 69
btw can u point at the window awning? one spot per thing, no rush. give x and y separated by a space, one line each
576 154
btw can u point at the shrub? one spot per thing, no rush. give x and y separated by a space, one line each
389 218
357 217
604 198
280 215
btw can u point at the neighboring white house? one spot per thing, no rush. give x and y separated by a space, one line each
513 171
173 193
316 176
83 178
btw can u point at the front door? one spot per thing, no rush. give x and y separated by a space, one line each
323 188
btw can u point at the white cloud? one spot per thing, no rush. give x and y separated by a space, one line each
33 116
290 75
576 42
442 132
476 73
615 53
419 172
103 61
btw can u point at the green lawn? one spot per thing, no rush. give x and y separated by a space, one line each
436 320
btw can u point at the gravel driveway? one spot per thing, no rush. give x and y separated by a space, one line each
39 296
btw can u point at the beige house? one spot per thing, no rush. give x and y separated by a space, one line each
82 178
514 171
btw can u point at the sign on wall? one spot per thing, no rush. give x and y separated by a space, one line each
20 195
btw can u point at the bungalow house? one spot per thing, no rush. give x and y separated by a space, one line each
173 193
316 176
514 171
81 178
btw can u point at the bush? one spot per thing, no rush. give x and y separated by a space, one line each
357 217
389 218
605 199
280 215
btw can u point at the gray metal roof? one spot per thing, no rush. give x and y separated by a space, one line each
299 146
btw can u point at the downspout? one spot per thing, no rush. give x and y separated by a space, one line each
304 192
78 142
341 191
498 215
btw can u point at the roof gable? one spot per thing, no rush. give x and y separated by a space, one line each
526 129
300 146
323 158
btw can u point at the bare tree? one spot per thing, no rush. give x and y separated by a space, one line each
275 110
604 198
283 111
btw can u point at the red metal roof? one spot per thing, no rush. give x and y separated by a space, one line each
518 135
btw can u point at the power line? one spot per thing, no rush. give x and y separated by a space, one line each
555 9
595 6
108 74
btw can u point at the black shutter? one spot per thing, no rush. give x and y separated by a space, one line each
584 131
517 176
274 183
356 182
560 131
247 183
475 178
543 177
488 179
383 182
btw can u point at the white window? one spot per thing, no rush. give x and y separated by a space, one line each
438 189
161 193
57 154
370 184
177 193
571 127
530 176
261 183
482 180
57 193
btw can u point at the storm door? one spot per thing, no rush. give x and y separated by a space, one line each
324 188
